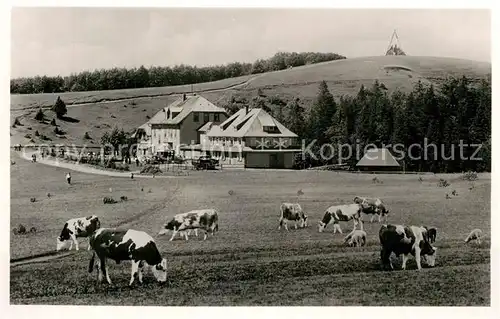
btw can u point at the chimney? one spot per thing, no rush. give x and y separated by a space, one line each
183 97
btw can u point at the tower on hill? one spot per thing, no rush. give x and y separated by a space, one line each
394 47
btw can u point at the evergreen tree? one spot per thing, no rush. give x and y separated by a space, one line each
321 114
296 118
60 108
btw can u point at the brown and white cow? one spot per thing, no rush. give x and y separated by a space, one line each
292 212
77 227
476 235
372 206
356 238
341 213
204 219
121 245
406 240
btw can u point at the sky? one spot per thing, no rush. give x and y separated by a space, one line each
60 41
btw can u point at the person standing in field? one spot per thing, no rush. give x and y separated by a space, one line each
68 178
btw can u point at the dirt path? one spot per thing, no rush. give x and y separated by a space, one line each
85 168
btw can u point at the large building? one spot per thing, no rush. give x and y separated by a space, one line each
178 124
250 138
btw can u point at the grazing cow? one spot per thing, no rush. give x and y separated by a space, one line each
406 240
341 213
133 245
372 206
77 227
205 219
476 235
356 238
292 212
432 233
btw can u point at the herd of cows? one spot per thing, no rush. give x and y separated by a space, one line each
140 248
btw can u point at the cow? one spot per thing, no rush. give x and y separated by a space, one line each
68 178
372 206
406 240
292 212
77 227
356 238
341 213
205 219
122 245
476 235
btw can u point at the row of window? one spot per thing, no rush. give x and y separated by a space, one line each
227 140
206 117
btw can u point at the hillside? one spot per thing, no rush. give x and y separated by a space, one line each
131 108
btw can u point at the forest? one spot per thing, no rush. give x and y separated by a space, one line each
458 112
157 76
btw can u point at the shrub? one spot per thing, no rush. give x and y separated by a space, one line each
45 138
36 133
32 199
150 169
109 200
16 122
58 131
27 136
20 229
110 164
443 183
53 122
133 103
87 136
469 176
39 116
123 198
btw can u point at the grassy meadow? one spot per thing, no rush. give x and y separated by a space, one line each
250 262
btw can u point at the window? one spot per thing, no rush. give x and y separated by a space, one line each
206 117
216 117
271 129
196 117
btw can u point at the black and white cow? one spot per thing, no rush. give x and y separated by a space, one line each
406 240
292 212
356 238
372 206
77 227
204 219
121 245
341 213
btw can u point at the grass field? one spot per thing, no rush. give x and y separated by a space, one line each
342 76
250 262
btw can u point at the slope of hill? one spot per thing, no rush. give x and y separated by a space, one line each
132 108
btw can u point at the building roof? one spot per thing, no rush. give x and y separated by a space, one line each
206 127
144 127
251 124
378 157
193 103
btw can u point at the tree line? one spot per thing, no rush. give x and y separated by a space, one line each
458 112
156 76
